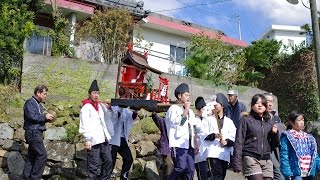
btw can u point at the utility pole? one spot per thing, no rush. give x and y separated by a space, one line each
239 27
316 39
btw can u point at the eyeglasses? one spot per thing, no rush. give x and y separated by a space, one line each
270 101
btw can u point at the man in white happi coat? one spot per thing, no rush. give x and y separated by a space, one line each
96 128
180 122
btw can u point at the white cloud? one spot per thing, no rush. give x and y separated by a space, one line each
161 5
217 21
277 11
212 20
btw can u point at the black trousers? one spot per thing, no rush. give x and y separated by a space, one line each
202 170
218 168
99 151
126 155
37 156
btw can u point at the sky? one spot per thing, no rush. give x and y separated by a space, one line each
255 16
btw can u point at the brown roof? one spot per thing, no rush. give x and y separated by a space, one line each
138 60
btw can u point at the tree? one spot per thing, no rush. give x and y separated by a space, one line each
260 57
16 23
211 59
60 32
309 33
110 31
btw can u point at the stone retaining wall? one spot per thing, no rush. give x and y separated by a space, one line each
68 161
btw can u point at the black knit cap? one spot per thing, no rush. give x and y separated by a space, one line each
200 103
182 88
93 87
222 99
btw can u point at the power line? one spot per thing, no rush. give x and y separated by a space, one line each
193 5
230 18
208 12
250 30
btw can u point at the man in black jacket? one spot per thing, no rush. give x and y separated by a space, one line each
275 156
34 125
235 108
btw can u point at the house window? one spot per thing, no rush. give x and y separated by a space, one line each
290 43
177 54
37 44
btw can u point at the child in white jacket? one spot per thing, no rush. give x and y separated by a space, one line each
202 119
219 142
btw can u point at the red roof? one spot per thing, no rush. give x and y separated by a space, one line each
192 30
73 5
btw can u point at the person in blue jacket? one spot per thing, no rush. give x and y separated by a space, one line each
298 154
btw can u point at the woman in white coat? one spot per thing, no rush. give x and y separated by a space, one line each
219 142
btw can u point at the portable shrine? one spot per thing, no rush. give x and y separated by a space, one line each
133 86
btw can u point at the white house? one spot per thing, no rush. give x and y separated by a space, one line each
290 36
170 37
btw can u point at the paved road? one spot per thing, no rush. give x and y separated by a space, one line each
233 176
230 176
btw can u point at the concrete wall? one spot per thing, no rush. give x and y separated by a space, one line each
38 64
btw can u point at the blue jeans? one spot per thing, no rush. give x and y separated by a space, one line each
183 161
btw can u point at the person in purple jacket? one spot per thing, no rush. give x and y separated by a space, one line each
163 145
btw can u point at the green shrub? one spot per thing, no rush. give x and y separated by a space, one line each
136 129
73 135
148 126
9 98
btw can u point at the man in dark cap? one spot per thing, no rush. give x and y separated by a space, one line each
220 149
34 126
180 122
96 128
